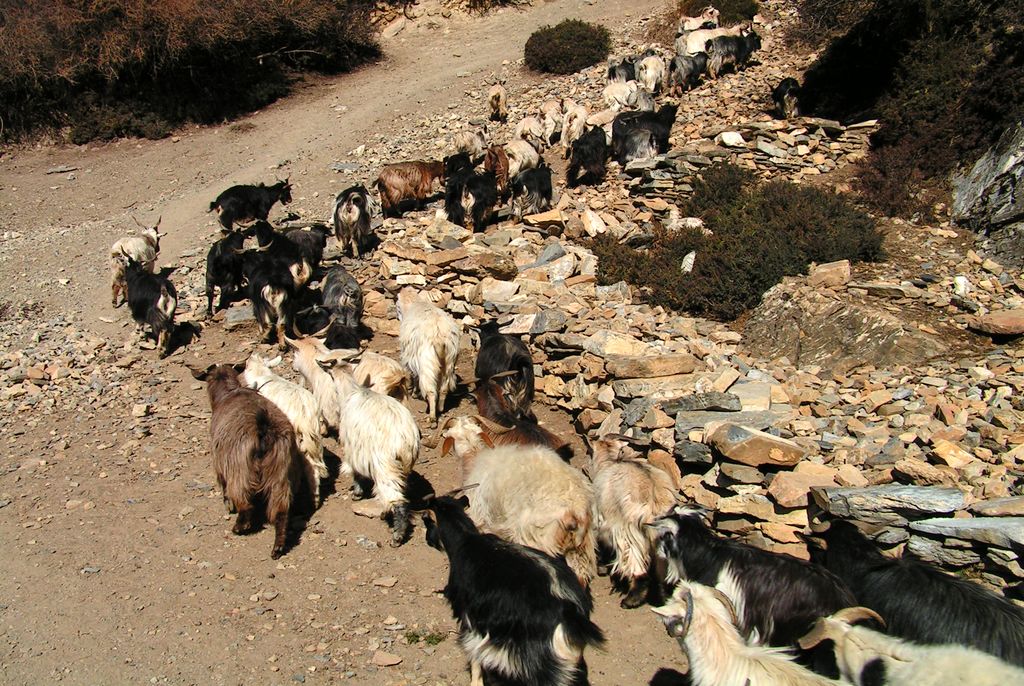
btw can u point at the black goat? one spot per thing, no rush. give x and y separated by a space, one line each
351 217
458 169
152 301
245 203
523 616
311 243
623 70
479 197
589 154
658 123
920 602
343 297
280 249
777 597
224 270
730 50
786 97
685 71
499 353
532 191
273 291
639 145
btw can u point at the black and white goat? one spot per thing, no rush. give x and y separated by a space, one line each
245 203
622 70
658 123
500 353
920 602
351 218
479 198
786 97
278 248
777 597
273 292
343 297
639 144
685 71
732 51
588 158
523 616
532 191
311 243
142 248
224 270
152 301
458 170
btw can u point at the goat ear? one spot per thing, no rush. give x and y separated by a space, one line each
488 441
274 362
463 500
447 446
201 374
238 367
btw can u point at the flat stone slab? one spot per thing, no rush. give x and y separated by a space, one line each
1000 507
890 503
686 421
1002 532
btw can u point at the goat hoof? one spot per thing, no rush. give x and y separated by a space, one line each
631 603
276 553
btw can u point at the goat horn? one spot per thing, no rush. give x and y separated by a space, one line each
444 426
818 633
137 222
460 490
493 426
853 614
323 331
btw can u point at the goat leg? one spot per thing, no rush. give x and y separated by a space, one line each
229 504
243 523
637 594
362 487
280 534
399 524
476 674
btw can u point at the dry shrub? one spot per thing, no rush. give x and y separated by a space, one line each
567 47
942 76
760 233
141 66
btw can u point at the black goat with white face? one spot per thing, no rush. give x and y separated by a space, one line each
532 191
786 97
920 602
152 300
351 217
245 203
523 616
311 243
777 597
588 158
224 270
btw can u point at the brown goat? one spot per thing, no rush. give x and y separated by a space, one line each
406 181
510 428
496 160
254 453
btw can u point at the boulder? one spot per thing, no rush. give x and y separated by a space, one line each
646 366
1002 532
752 447
1000 323
830 274
1000 507
810 327
891 504
712 400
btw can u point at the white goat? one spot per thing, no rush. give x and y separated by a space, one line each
381 374
473 143
551 119
381 442
703 621
428 341
309 352
142 248
531 130
708 15
574 121
497 100
521 156
629 492
528 495
650 72
695 41
904 663
298 405
619 94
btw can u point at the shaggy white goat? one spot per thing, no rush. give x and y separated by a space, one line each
381 442
619 94
650 72
309 352
473 143
903 663
574 121
381 374
298 405
428 340
528 495
707 15
497 100
629 492
531 130
703 621
551 119
142 248
695 41
521 156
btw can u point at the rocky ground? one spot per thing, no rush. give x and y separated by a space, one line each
888 392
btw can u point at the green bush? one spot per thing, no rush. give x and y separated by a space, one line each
731 11
567 47
760 233
943 78
140 67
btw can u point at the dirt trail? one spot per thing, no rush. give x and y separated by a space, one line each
119 565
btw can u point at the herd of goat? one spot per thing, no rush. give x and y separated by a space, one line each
525 530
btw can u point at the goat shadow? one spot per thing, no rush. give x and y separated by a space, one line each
669 677
183 335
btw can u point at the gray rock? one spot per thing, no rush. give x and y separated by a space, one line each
892 504
238 315
690 452
685 421
1003 532
933 551
712 400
